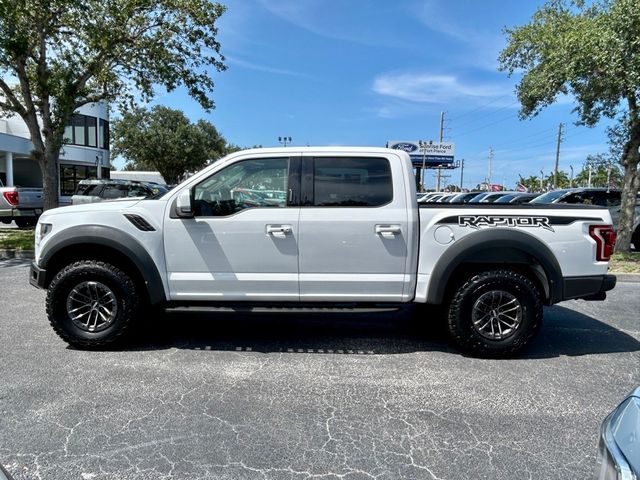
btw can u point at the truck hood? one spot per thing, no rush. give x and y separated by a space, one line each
107 206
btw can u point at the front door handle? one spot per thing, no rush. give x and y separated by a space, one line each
279 231
388 231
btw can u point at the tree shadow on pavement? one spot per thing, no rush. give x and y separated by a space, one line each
406 330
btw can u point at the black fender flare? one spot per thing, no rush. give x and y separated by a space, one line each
109 237
474 247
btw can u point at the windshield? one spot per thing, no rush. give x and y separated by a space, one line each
549 197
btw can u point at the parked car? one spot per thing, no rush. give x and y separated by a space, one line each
463 197
97 190
20 204
348 233
619 445
517 197
603 197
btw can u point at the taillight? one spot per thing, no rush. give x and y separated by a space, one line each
11 197
605 237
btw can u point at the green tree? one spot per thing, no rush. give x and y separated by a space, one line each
563 180
532 183
592 52
165 140
604 172
57 55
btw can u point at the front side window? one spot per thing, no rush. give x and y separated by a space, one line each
247 184
352 182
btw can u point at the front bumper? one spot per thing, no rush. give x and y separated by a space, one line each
593 287
37 276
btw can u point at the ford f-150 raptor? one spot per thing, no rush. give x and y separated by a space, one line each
323 227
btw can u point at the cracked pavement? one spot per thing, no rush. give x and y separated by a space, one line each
309 395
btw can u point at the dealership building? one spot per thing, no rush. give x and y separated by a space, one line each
84 155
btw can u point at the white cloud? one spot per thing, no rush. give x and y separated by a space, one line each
264 68
330 19
482 47
434 89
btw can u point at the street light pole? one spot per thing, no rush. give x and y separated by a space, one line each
284 140
571 179
541 180
461 173
423 147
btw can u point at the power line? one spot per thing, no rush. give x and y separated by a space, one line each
484 105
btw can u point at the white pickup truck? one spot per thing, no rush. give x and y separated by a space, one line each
333 227
22 205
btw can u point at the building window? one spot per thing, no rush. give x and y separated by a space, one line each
92 133
79 134
87 132
70 176
103 135
106 172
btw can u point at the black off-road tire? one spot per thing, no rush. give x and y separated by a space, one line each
25 222
460 323
120 284
635 239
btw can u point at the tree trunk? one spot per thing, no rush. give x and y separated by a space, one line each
631 184
50 178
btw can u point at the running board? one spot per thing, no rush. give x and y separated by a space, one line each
356 308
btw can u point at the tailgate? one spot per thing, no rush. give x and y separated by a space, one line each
30 198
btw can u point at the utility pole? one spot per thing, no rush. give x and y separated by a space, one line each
440 140
555 172
461 173
541 181
590 170
490 166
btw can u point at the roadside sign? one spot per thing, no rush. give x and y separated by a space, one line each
432 153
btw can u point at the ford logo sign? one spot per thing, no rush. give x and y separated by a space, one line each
407 147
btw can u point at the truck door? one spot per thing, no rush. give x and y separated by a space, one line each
242 244
353 230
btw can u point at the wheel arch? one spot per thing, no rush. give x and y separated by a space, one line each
498 248
97 242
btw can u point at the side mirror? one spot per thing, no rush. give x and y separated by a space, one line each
184 209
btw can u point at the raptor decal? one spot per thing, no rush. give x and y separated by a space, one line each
477 221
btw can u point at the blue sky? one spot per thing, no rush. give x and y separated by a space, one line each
355 72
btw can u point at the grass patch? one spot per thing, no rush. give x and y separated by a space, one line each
16 239
625 263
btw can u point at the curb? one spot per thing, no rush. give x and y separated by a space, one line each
8 253
627 277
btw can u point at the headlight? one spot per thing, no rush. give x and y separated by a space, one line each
619 446
45 228
42 231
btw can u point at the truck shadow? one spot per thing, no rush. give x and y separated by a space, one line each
565 332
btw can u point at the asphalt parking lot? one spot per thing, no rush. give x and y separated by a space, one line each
308 395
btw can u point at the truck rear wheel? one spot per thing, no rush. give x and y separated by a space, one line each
25 222
495 313
91 304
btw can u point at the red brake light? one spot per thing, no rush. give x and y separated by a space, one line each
605 237
11 197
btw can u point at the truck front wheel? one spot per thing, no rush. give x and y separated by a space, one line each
91 304
495 313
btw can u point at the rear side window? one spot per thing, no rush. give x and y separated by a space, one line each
114 191
351 182
92 190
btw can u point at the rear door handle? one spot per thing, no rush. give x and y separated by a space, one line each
388 231
279 231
